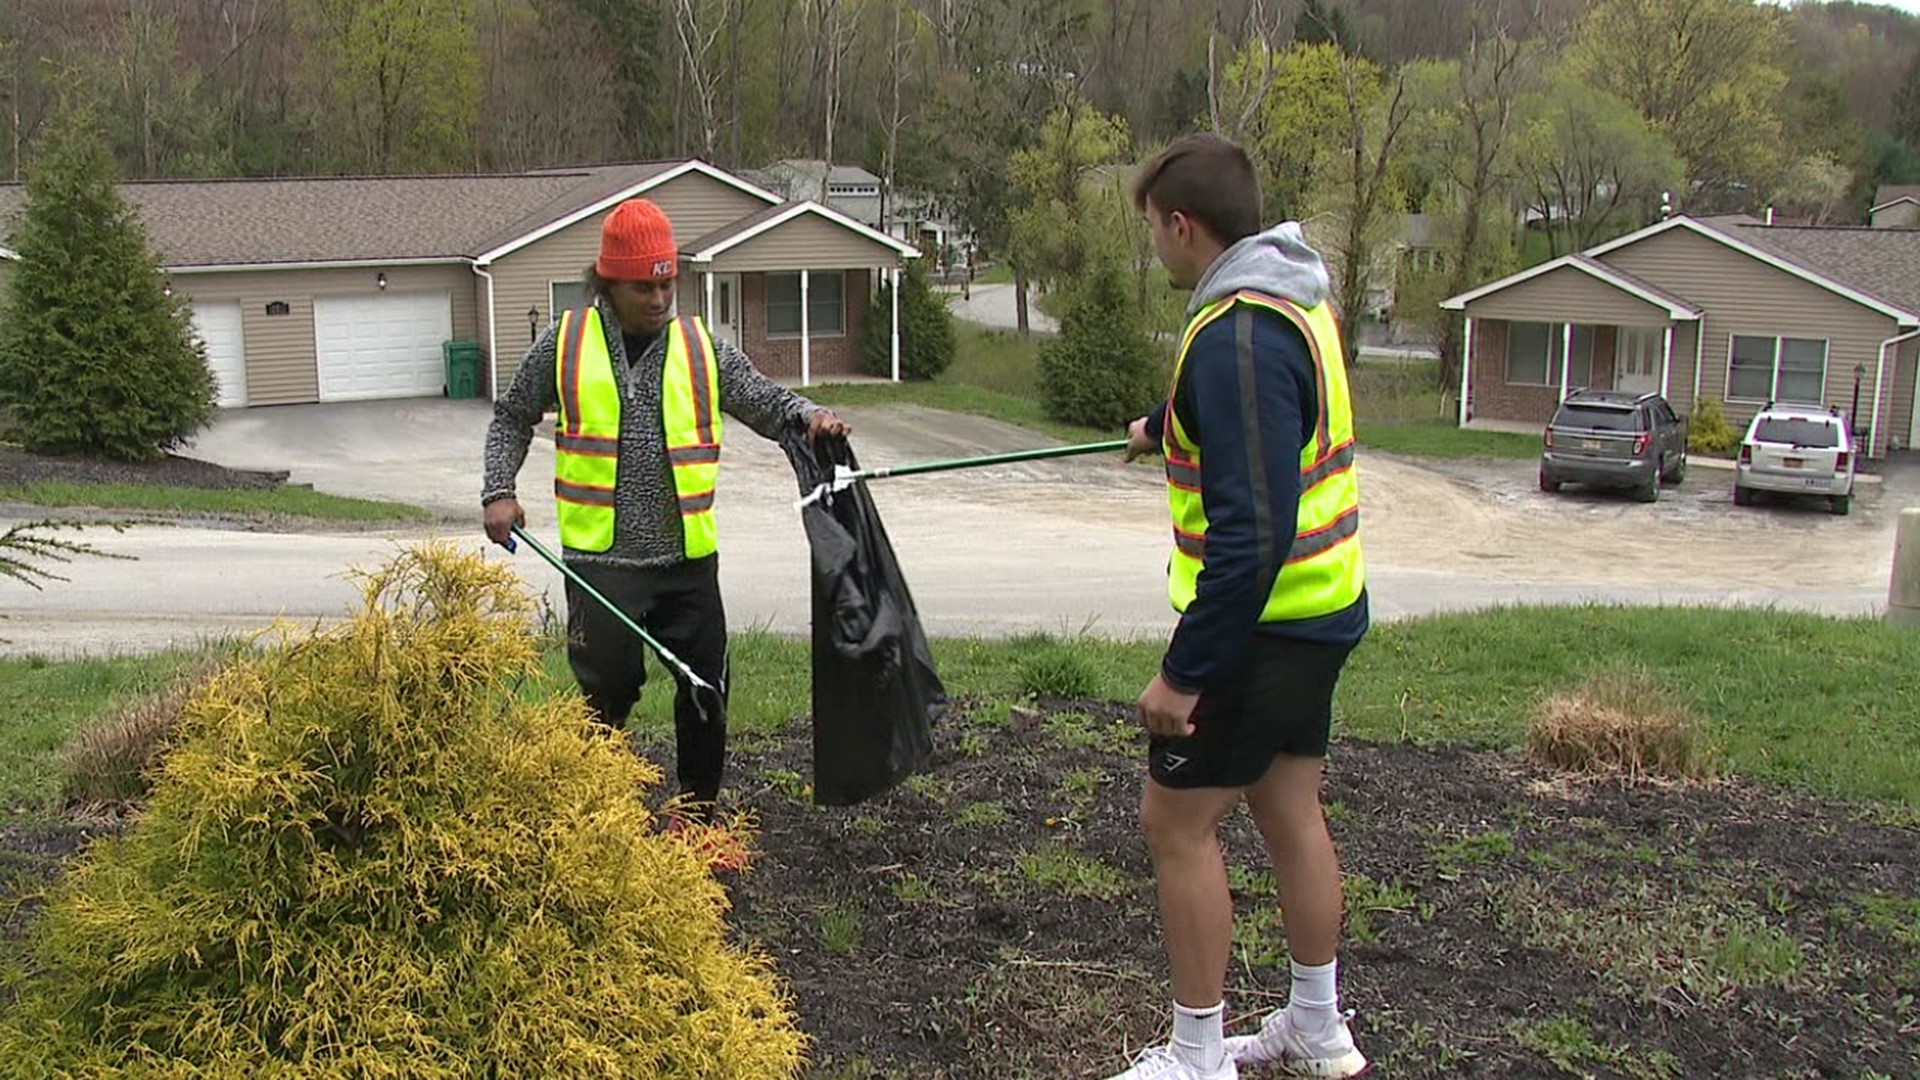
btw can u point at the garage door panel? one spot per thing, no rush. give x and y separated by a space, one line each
382 345
220 329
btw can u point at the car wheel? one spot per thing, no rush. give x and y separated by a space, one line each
1840 504
1649 491
1548 484
1678 475
1741 496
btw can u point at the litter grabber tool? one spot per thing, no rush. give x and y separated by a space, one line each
706 696
844 478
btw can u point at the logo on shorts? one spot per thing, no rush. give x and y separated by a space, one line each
1171 762
663 268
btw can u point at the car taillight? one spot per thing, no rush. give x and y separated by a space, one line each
1840 460
1746 455
1549 438
1640 443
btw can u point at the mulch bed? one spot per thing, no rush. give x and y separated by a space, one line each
996 918
1517 924
17 467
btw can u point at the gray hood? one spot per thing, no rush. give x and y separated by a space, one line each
1277 262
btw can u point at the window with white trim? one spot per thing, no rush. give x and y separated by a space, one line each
1777 369
1534 351
826 304
562 295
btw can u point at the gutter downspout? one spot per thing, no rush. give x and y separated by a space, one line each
1666 362
1879 378
1699 360
1466 367
493 351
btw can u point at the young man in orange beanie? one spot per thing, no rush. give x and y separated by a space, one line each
640 396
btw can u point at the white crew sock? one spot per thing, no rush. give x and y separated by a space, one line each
1197 1036
1315 1001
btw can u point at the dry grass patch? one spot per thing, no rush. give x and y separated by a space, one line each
1622 723
109 765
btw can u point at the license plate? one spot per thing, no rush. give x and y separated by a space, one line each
1592 444
1794 462
1812 483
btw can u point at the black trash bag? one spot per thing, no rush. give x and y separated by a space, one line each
876 694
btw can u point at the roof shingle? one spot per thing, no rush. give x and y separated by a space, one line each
1882 263
352 219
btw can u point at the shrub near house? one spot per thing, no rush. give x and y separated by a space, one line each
96 358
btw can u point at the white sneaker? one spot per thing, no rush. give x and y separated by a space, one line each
1159 1063
1325 1055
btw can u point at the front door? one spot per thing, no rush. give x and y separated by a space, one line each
1637 358
724 320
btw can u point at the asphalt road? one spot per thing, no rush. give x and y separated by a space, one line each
1062 546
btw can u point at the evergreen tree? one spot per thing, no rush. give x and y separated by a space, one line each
95 357
1906 106
1325 22
927 341
1102 371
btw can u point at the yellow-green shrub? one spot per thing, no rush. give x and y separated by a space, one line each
1708 431
364 858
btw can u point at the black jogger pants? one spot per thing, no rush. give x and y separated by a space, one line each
680 606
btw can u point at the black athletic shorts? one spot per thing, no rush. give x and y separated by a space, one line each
1278 701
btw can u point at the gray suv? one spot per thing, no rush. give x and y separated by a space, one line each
1615 439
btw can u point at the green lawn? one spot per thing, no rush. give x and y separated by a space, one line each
1439 439
257 502
994 374
1398 407
1824 705
42 703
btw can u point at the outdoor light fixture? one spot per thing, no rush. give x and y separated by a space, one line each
380 279
167 289
533 323
1859 373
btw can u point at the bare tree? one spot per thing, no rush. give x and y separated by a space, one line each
696 26
900 54
835 41
1492 76
1264 23
1367 177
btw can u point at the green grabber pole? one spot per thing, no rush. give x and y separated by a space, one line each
705 694
844 478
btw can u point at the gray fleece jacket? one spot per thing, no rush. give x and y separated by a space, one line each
646 513
1278 262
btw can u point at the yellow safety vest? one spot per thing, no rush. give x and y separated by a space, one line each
586 459
1324 572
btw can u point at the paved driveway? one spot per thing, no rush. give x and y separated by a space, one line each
1060 546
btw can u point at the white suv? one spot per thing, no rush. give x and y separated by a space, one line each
1797 450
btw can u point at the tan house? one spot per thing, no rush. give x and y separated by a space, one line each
338 289
1895 206
1728 308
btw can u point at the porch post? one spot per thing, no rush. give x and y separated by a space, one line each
706 312
893 275
806 334
1566 357
1666 361
1466 366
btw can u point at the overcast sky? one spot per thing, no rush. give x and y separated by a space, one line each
1904 5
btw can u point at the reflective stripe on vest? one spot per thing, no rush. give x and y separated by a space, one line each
587 435
1324 572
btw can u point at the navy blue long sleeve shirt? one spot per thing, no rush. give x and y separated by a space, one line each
1251 421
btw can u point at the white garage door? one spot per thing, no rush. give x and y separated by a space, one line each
217 322
381 346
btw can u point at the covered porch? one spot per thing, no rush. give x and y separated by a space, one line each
792 287
1574 323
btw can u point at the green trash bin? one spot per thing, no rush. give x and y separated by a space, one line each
462 368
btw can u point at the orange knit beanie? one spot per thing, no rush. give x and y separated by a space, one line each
636 244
